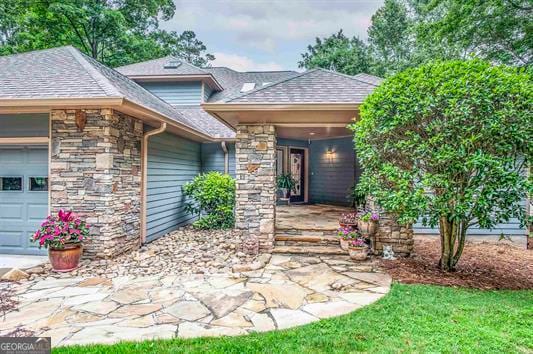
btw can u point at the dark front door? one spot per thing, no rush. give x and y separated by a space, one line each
297 168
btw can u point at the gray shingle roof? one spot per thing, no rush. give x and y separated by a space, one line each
208 123
313 86
156 67
232 80
65 72
51 73
369 79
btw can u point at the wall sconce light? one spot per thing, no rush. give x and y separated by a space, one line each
330 154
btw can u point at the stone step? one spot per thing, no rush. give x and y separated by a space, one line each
325 250
305 240
306 232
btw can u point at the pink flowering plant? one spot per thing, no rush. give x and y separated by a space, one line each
348 218
368 216
357 243
61 229
347 233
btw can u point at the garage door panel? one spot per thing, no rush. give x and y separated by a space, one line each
36 212
39 157
12 156
12 238
12 212
22 212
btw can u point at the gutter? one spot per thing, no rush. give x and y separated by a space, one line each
226 157
144 181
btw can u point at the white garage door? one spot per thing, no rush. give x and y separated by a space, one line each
23 197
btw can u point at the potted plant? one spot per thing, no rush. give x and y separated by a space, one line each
358 249
286 184
346 234
368 223
348 220
62 234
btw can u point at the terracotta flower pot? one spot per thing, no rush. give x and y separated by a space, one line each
344 244
358 253
352 226
367 228
65 259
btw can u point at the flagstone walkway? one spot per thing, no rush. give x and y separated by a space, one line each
290 291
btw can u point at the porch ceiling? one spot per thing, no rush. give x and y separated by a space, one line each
331 114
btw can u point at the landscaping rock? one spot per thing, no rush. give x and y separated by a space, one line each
15 274
181 252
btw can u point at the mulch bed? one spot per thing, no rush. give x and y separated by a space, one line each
483 265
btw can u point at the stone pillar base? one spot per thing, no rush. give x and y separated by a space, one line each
256 183
390 233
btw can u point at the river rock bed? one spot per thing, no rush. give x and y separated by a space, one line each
181 252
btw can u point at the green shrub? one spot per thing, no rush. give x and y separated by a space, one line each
211 196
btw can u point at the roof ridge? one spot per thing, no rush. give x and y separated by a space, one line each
182 61
189 64
345 75
98 77
35 51
363 73
272 84
142 62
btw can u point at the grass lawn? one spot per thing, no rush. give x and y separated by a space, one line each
411 318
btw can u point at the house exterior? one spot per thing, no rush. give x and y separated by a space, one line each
117 145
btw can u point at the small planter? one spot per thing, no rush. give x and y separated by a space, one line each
358 253
352 226
367 228
344 244
348 220
65 259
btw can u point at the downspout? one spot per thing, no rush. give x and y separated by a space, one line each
226 157
144 168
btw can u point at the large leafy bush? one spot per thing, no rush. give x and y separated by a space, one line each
449 142
211 196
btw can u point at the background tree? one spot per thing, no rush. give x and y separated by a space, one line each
338 53
115 32
447 142
408 33
390 38
496 30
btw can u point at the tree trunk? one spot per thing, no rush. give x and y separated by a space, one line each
452 239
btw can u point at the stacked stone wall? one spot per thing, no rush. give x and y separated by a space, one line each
390 233
95 171
256 182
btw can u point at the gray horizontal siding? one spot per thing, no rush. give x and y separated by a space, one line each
510 228
23 125
176 93
331 178
207 92
213 158
172 162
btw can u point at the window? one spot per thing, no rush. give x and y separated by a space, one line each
8 184
280 161
248 86
38 184
172 64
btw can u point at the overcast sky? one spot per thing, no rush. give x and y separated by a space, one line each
268 35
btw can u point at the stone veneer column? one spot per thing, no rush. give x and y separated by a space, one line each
96 173
256 182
